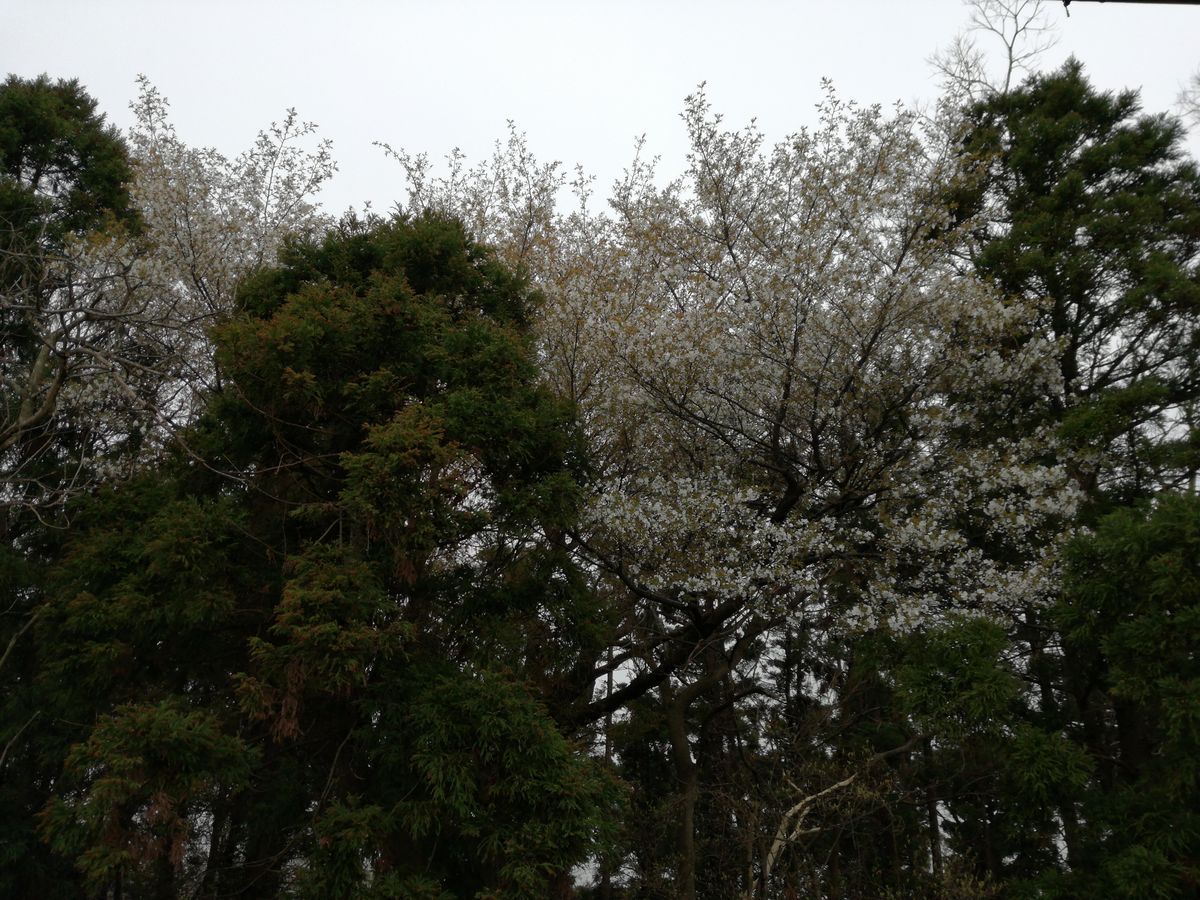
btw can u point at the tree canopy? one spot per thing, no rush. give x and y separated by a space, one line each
819 523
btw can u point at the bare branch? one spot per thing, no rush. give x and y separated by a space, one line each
1021 29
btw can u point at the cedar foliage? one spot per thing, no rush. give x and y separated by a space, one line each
294 658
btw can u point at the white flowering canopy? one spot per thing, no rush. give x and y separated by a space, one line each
776 357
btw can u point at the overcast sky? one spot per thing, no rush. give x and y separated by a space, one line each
583 79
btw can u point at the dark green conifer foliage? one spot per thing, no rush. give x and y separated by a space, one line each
62 169
1131 612
1095 219
311 654
1098 222
63 174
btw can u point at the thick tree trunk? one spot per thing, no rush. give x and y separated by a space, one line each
688 791
935 829
216 861
1132 734
1071 836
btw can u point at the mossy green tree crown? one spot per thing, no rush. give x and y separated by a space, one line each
311 652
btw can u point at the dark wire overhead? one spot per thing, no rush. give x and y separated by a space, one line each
1067 3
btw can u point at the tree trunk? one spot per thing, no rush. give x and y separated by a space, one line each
689 791
935 829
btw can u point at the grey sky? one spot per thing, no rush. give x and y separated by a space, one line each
582 79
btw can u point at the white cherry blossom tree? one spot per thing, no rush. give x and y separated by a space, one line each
778 360
120 315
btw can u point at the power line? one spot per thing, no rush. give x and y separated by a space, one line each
1067 3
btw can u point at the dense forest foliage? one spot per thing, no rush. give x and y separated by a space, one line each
820 523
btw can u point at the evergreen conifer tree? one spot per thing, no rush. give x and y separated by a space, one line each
311 653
